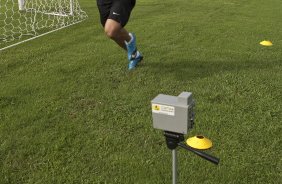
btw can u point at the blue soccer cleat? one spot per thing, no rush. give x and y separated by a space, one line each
134 61
134 56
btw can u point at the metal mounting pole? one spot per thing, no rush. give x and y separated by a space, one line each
174 166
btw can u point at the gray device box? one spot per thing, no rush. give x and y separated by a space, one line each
174 114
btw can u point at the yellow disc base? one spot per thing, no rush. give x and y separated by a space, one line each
266 43
199 142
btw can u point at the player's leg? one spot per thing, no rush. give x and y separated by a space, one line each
125 40
134 56
116 32
110 20
114 15
120 13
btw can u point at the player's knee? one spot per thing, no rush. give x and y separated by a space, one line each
111 32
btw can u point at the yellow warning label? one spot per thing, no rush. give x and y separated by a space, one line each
163 109
155 107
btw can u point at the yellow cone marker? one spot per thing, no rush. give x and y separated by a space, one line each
266 43
199 142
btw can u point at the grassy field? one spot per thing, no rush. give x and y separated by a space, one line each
70 112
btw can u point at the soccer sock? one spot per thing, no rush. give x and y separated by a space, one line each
137 54
131 36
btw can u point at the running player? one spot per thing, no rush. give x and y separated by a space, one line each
114 14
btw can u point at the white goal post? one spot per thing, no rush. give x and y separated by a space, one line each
21 5
24 20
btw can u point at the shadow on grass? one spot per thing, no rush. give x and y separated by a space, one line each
184 69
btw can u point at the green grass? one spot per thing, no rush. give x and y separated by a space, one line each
70 112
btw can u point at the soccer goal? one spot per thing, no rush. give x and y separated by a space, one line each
24 20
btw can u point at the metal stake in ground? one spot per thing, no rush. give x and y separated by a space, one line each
174 166
172 141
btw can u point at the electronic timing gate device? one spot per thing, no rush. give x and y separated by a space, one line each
175 116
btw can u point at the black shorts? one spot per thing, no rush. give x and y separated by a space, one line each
118 10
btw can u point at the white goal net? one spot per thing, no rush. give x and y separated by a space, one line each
23 20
